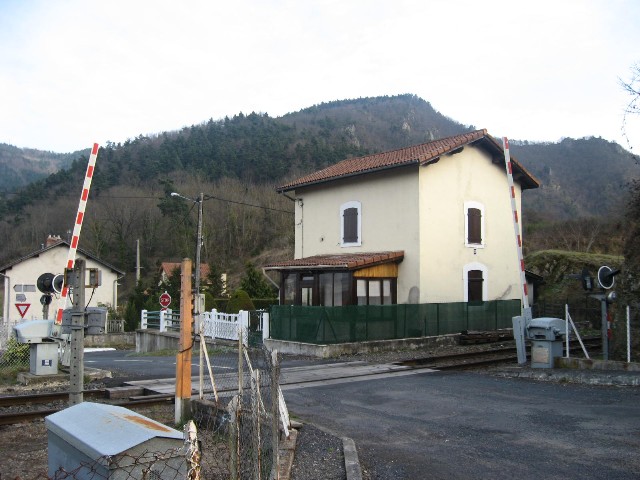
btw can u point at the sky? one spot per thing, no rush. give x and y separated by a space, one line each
75 72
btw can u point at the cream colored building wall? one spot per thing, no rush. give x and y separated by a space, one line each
389 214
52 261
444 188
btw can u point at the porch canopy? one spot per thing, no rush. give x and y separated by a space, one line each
339 279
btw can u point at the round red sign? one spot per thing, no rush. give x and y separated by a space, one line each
165 300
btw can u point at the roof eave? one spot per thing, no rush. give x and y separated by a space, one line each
348 175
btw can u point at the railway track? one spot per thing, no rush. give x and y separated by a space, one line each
59 401
20 408
466 360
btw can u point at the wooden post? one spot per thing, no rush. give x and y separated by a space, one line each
183 358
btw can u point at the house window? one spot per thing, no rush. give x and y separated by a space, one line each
475 282
375 291
351 224
474 224
474 285
289 289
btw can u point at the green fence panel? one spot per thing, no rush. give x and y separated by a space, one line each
361 323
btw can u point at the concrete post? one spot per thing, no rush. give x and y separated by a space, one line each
76 366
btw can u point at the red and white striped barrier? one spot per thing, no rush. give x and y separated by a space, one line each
516 224
75 238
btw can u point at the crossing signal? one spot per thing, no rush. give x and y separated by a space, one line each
50 283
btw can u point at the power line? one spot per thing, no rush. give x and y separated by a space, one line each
207 197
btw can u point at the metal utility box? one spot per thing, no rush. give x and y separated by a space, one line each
95 440
33 331
43 358
546 340
43 352
95 320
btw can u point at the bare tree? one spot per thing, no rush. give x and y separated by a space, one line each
632 87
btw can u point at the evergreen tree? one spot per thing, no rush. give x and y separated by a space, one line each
239 301
254 283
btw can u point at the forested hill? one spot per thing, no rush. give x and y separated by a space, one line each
241 159
22 166
588 177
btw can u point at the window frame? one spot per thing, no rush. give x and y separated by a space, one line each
477 206
485 280
345 206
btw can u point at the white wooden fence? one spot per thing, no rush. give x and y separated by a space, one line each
214 324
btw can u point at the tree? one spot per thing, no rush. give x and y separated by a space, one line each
239 301
254 283
632 87
215 286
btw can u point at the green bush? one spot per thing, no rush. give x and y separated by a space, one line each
239 301
15 355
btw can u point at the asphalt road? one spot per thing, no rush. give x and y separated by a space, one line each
451 425
475 426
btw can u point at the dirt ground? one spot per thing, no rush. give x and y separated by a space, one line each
23 447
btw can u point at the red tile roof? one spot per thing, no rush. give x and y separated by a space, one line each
350 261
414 155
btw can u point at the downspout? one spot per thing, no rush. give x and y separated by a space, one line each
6 302
115 292
264 272
301 205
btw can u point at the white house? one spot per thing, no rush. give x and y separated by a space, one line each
430 223
22 297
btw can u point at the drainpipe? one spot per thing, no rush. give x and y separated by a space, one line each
114 303
264 272
7 302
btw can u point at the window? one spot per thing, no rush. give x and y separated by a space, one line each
475 282
474 224
289 290
351 224
474 286
375 291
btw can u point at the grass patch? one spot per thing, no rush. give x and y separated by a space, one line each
9 375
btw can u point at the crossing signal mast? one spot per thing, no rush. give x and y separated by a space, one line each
519 322
75 239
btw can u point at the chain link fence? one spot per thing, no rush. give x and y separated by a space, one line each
14 356
238 418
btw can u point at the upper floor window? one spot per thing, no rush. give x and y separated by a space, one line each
351 224
474 224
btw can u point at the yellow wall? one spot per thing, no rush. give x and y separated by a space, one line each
389 202
421 210
444 188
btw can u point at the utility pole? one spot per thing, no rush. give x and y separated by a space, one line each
76 366
197 306
137 261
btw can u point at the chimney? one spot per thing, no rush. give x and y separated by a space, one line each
52 240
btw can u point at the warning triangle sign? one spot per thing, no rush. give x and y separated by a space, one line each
22 308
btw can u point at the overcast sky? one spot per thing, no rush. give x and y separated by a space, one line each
80 71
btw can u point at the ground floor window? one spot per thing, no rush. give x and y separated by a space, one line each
334 289
475 277
375 291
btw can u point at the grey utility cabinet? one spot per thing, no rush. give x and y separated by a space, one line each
95 440
545 334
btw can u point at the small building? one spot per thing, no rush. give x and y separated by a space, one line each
429 223
23 300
